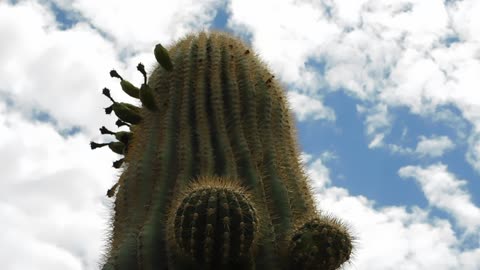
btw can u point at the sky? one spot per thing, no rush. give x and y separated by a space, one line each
385 95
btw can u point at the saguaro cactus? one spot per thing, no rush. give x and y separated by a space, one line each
212 177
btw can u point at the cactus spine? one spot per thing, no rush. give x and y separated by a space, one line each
212 178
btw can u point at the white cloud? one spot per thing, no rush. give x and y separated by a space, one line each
307 108
384 53
293 32
473 153
328 156
318 171
435 146
378 123
465 20
58 72
395 237
443 190
346 13
139 25
52 196
378 119
398 149
23 251
377 141
432 147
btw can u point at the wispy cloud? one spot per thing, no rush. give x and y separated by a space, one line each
427 147
444 191
377 123
434 146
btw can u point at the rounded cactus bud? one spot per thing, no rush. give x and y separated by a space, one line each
161 54
117 147
321 243
127 112
146 93
129 88
214 225
124 136
146 96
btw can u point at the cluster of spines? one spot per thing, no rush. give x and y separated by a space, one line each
320 243
215 225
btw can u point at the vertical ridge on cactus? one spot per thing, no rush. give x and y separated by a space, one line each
212 178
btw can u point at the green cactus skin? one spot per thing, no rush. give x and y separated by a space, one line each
214 226
220 114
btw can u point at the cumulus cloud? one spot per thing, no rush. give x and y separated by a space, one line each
444 191
398 237
52 196
319 172
385 54
307 108
135 26
53 71
284 43
434 146
431 147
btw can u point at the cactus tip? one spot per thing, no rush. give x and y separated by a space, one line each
114 74
111 191
117 164
109 109
120 123
94 145
141 68
104 130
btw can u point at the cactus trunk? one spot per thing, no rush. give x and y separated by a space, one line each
212 178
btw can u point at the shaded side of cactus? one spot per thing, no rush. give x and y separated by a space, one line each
214 112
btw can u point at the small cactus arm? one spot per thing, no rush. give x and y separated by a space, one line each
212 177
